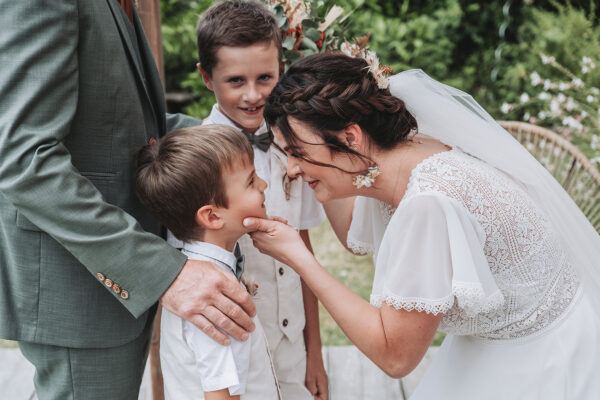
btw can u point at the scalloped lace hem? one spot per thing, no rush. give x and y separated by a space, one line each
428 306
472 299
359 248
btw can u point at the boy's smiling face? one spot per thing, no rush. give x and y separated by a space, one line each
245 193
242 79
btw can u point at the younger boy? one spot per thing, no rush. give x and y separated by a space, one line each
200 183
239 48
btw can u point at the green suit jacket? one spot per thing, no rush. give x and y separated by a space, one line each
79 93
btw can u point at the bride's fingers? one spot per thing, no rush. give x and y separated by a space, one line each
259 224
279 219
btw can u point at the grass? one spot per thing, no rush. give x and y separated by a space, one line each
356 272
7 344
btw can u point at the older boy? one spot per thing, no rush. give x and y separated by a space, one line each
239 48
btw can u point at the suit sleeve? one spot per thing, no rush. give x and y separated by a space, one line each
38 101
178 121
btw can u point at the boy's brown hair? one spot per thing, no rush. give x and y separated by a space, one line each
235 24
184 172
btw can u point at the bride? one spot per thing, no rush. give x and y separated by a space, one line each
470 235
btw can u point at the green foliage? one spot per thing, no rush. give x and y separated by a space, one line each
179 18
488 49
557 79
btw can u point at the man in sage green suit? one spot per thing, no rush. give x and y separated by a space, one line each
81 266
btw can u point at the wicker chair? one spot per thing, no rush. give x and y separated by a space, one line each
566 163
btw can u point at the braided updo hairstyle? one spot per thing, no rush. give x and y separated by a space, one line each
331 91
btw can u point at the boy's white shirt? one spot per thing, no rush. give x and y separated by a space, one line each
275 280
193 363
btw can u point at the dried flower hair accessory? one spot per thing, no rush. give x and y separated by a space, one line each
368 179
379 72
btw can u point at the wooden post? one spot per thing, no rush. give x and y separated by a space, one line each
149 12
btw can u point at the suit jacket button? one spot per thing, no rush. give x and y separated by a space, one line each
280 270
108 283
100 276
116 288
124 294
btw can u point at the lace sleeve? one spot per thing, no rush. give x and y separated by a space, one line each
369 221
432 256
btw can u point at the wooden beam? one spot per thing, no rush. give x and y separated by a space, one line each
149 12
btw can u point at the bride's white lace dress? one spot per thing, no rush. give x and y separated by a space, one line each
468 242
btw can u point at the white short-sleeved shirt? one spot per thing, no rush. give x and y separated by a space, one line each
193 363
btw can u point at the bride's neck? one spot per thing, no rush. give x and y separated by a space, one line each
396 166
395 171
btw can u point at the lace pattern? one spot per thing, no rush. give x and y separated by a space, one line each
359 248
536 281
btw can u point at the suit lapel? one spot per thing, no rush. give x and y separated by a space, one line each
126 38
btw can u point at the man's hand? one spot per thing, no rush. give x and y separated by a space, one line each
209 297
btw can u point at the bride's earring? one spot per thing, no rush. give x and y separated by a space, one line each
368 179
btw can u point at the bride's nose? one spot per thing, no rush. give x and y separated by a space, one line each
293 169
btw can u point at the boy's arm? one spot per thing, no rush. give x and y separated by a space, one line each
222 394
316 377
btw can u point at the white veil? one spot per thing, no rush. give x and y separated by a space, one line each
455 118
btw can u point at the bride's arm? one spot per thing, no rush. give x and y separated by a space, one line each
339 214
395 340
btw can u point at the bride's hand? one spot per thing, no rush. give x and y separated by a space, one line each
277 239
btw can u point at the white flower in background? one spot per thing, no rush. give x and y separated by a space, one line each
542 115
594 143
544 96
585 69
536 79
595 90
561 97
577 82
588 62
570 105
555 107
547 84
505 108
524 98
572 123
590 98
547 59
595 160
526 116
583 114
563 86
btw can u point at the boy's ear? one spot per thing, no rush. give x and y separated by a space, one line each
205 77
207 217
